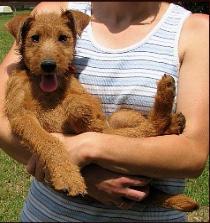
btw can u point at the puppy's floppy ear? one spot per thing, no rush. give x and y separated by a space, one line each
19 25
79 19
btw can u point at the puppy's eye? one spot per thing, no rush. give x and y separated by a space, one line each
35 38
62 38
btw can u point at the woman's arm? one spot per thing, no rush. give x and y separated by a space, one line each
172 155
8 142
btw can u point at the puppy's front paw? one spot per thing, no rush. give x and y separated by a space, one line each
67 177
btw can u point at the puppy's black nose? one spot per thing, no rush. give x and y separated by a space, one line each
48 65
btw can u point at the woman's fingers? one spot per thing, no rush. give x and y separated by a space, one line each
31 165
47 178
121 190
36 168
134 181
137 194
133 188
40 170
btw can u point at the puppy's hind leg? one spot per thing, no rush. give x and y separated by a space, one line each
160 115
83 115
177 124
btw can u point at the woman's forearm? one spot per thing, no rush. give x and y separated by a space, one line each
11 145
161 156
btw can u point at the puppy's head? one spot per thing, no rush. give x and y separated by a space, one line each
47 42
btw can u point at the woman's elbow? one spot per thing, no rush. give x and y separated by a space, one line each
197 163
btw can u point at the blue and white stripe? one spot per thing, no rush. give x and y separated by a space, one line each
44 204
120 78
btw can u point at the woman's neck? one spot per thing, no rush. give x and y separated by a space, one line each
118 13
117 25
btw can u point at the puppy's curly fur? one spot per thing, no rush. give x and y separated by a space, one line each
43 96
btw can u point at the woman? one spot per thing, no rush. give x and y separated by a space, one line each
121 54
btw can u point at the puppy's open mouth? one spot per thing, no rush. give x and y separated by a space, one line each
49 83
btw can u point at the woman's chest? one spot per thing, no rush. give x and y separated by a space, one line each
128 88
124 79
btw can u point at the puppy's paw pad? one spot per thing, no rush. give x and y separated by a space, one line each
180 122
67 177
77 187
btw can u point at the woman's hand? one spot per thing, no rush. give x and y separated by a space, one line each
103 185
116 189
37 169
81 148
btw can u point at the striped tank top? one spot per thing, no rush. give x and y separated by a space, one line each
120 78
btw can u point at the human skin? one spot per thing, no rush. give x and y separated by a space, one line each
154 156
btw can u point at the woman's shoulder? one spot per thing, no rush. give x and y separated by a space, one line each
197 25
195 31
197 21
58 6
51 6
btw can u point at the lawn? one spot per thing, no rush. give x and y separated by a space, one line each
14 181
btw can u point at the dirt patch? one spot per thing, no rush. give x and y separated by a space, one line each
201 215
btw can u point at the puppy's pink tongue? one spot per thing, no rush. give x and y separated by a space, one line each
49 83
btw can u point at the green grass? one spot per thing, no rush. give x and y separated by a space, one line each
5 38
14 181
199 188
